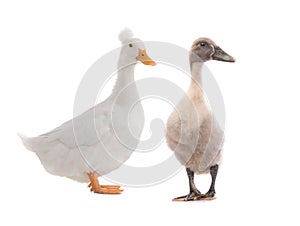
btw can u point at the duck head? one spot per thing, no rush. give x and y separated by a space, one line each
133 49
204 49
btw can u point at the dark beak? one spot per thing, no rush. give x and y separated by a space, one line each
220 55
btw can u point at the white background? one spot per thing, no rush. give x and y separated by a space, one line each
45 50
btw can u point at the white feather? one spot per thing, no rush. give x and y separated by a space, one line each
26 141
125 35
91 141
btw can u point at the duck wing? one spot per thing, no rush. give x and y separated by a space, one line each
84 130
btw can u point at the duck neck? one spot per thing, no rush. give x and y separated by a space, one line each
196 80
125 78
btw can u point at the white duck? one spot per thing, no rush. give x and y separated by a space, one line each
99 140
192 130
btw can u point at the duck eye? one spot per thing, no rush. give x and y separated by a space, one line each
130 45
203 44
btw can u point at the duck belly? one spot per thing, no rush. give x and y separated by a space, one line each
59 159
70 155
200 158
201 161
197 148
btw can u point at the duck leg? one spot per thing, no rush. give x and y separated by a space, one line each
102 189
194 194
211 192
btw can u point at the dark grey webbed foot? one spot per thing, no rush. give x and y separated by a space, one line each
209 195
194 194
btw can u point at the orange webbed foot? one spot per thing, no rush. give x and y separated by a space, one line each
102 189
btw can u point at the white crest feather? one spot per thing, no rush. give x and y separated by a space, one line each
125 34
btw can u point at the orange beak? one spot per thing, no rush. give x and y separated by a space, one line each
144 58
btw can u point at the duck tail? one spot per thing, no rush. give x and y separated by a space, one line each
27 142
